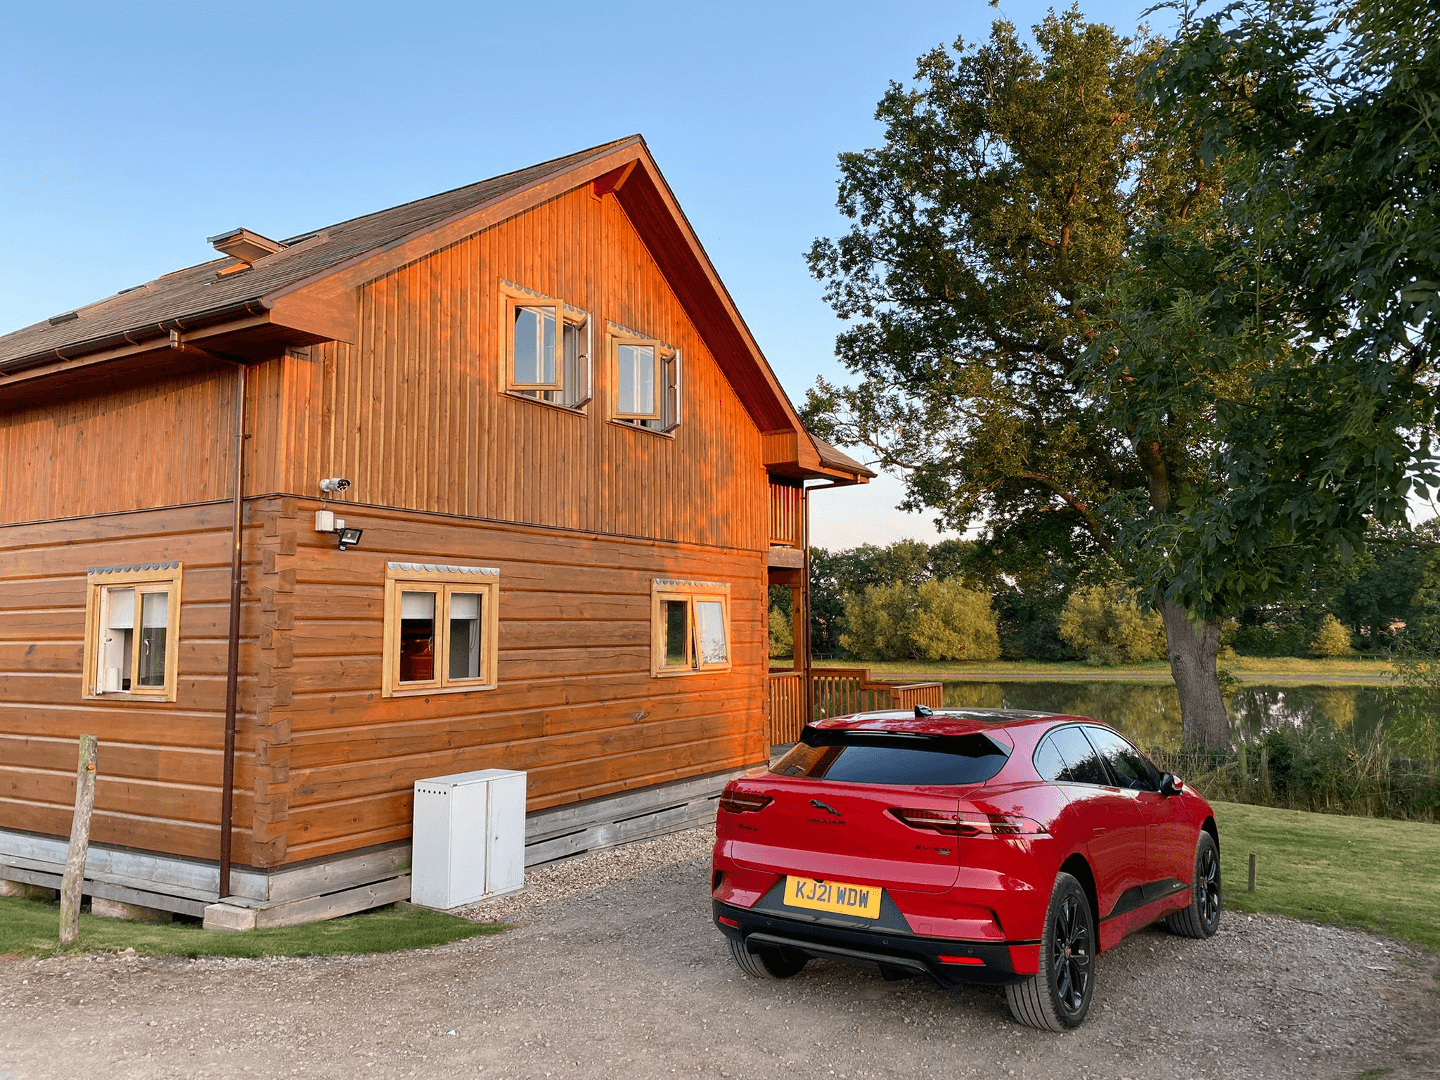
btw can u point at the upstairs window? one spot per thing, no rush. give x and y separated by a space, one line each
690 627
547 348
647 380
132 618
441 624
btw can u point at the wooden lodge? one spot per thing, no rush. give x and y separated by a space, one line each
572 476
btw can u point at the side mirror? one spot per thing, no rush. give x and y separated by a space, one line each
1170 784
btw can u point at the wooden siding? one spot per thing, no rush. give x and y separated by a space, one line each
159 443
160 762
576 706
414 416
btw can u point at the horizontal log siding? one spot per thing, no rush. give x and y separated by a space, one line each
413 413
159 769
161 443
576 706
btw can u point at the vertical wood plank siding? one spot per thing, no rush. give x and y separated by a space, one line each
160 762
162 443
413 413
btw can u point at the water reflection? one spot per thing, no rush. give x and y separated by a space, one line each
1150 712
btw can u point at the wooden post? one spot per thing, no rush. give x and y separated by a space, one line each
71 887
1252 873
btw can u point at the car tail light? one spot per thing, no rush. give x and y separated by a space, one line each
729 922
969 823
961 960
744 802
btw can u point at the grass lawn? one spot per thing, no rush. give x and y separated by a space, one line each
31 928
1267 669
1372 873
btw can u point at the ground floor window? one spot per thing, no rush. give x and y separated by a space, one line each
132 626
441 628
690 627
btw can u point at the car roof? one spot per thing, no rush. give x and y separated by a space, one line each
944 721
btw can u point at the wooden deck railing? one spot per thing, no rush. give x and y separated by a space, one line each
836 692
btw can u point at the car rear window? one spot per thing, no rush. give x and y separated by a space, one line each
882 757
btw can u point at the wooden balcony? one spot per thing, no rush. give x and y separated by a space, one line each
836 692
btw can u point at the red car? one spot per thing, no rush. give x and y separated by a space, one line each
970 846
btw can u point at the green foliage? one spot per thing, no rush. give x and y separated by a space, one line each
30 928
936 620
781 634
1331 639
1107 627
835 575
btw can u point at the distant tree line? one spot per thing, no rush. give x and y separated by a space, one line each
981 600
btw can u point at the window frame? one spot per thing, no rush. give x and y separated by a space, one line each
663 590
443 582
513 297
144 580
666 416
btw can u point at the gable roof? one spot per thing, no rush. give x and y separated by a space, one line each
298 294
198 291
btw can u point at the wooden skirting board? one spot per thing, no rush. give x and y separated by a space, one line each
344 884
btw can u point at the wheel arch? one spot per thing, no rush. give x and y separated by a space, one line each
1077 867
1208 825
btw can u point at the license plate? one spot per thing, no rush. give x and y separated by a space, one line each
839 897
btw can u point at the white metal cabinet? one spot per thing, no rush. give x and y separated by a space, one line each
469 838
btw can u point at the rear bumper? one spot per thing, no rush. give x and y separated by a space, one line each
898 954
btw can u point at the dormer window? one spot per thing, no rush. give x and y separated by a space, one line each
547 353
647 380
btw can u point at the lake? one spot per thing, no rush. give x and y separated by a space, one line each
1150 712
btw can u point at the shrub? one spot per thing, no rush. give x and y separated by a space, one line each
1107 627
953 623
939 620
1332 639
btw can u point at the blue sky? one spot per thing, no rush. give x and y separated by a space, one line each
131 132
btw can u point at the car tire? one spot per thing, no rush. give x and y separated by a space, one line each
1057 997
1201 917
767 963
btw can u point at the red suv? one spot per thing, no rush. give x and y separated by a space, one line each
970 846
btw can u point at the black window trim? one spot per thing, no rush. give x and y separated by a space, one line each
1104 764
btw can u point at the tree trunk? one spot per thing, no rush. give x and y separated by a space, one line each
1192 649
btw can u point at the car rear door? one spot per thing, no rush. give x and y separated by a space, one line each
1170 833
1116 825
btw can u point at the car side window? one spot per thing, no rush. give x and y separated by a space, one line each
1083 763
1131 768
1048 762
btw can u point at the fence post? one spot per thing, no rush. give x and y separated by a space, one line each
71 885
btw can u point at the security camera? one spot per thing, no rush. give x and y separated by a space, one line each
334 483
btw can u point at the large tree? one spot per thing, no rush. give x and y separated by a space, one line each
1053 311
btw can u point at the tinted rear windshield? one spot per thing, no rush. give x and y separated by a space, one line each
881 757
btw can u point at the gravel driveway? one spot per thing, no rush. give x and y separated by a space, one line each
615 970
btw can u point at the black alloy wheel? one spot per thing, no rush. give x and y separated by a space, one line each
1072 956
1201 917
1057 997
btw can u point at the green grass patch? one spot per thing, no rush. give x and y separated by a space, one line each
1371 873
31 928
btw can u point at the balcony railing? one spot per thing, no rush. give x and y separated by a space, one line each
836 692
787 510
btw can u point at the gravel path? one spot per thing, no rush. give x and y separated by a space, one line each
615 970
